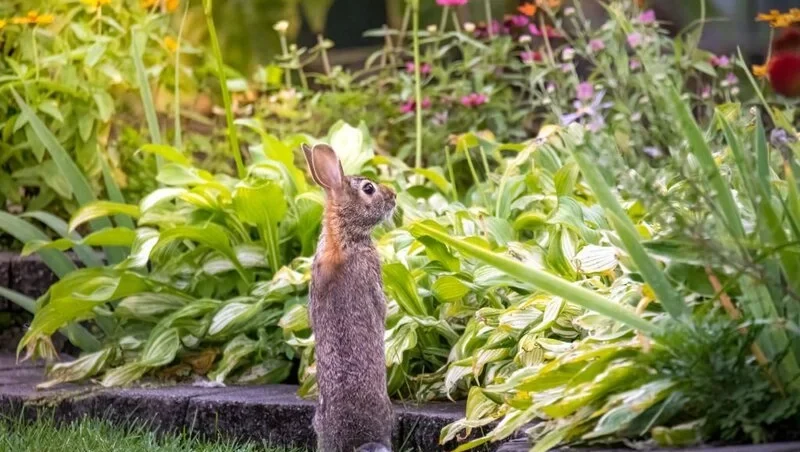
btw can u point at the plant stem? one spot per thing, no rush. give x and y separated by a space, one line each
285 51
35 54
443 22
488 7
451 173
325 62
233 138
417 84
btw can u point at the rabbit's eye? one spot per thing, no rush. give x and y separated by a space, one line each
368 188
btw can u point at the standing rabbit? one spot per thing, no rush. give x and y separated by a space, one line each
348 310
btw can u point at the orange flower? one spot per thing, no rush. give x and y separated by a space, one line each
759 70
552 4
528 9
33 18
166 5
170 43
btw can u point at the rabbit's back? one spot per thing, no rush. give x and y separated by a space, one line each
347 310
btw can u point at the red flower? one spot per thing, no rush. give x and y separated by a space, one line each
783 68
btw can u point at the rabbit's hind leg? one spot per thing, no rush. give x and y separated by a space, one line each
373 447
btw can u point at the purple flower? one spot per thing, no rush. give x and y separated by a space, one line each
440 119
518 20
731 79
451 2
635 39
647 17
706 93
635 64
591 111
530 56
596 45
566 68
473 100
584 92
424 68
720 61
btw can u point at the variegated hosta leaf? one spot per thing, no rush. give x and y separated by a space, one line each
295 319
232 315
237 349
596 259
150 305
398 340
80 369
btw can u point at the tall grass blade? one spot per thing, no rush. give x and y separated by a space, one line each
233 137
700 149
543 280
114 254
85 253
24 232
666 294
144 89
78 182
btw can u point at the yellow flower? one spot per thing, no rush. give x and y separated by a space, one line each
3 23
94 5
148 3
768 17
166 5
172 5
33 18
170 43
759 70
777 19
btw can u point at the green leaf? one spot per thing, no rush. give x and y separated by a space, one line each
104 237
105 105
80 369
98 209
449 289
264 206
167 152
150 305
402 287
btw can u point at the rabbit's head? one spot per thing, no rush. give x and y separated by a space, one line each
355 203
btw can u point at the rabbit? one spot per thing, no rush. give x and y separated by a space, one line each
347 309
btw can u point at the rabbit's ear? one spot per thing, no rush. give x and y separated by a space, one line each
325 168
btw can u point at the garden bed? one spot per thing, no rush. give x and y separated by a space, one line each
272 413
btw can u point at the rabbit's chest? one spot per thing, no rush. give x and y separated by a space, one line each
354 293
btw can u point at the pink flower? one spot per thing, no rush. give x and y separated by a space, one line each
548 30
706 93
518 20
635 64
647 17
585 91
720 61
473 100
451 2
635 39
596 45
731 79
530 56
424 69
410 106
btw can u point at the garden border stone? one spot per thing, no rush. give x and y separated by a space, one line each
271 412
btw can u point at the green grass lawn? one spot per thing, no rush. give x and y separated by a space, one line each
93 435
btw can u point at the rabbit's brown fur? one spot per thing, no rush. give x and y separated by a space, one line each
348 309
